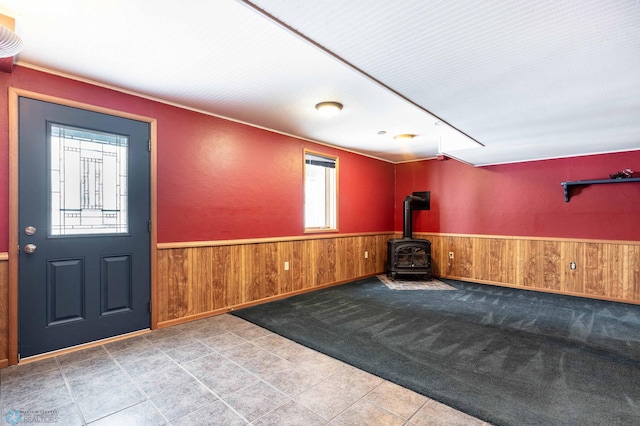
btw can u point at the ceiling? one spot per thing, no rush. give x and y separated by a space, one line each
507 80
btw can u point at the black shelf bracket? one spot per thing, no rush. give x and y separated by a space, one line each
568 184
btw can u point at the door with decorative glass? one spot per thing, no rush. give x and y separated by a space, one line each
84 209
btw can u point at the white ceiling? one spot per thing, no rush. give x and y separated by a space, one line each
527 79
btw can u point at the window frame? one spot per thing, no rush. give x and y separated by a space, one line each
331 193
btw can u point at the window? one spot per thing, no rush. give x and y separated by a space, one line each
88 175
320 192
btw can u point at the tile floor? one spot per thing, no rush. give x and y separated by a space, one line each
217 371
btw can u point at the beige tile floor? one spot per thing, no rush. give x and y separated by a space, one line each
217 371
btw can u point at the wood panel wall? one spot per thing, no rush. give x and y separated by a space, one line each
4 310
200 280
196 281
607 270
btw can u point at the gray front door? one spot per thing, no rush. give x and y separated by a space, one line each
84 210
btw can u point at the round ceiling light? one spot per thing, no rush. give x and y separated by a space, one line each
404 137
329 108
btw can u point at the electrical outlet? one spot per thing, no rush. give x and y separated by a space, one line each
450 255
572 266
366 254
286 266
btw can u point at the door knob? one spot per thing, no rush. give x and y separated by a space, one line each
30 248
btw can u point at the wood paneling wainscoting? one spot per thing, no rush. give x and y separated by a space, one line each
608 270
198 279
4 309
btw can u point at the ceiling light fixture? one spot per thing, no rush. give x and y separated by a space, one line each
10 42
329 108
405 137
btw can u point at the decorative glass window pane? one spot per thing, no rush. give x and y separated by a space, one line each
88 181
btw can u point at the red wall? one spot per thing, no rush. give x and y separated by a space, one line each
222 180
218 179
525 199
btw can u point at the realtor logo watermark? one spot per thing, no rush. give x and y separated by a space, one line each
15 417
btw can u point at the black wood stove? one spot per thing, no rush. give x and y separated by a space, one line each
408 255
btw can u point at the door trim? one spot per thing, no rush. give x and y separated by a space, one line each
14 95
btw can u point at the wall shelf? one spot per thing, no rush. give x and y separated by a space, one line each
568 184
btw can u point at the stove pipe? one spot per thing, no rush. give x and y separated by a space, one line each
407 226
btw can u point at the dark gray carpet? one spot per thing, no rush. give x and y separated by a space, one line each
509 357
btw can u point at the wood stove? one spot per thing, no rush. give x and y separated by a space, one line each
408 255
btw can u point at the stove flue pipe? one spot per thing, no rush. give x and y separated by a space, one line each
407 228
